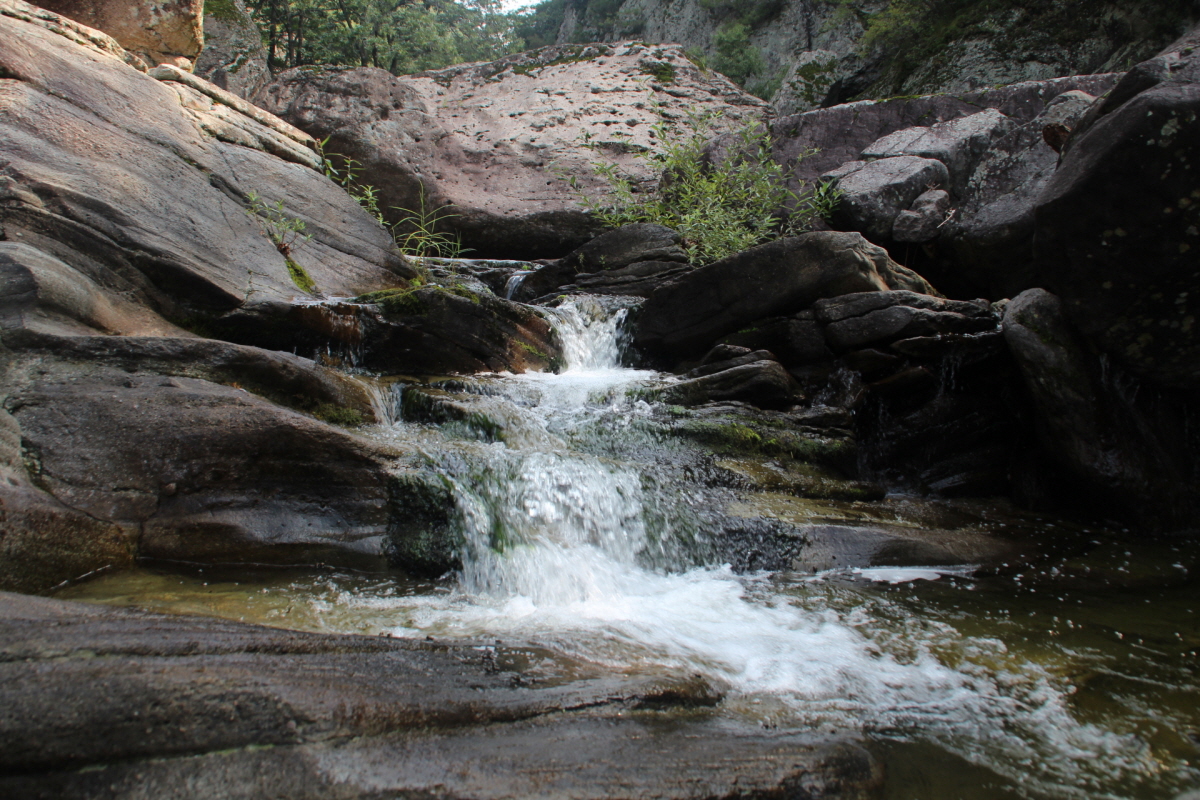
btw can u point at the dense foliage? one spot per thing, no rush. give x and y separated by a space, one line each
722 204
401 36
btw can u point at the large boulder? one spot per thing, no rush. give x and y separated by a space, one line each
874 193
958 143
735 373
685 317
989 237
839 134
1118 226
486 144
427 330
855 321
160 32
1124 454
233 57
117 431
143 185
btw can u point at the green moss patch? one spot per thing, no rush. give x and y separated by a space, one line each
301 278
339 415
661 71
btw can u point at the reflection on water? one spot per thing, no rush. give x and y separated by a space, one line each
1073 678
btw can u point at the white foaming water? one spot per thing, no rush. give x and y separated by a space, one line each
563 549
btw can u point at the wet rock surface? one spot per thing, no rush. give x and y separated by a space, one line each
1126 453
354 715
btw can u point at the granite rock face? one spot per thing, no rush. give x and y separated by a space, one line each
487 143
690 314
233 57
839 134
143 185
874 193
989 238
1118 226
168 32
1123 451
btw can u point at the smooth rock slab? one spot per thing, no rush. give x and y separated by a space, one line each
490 142
957 143
188 704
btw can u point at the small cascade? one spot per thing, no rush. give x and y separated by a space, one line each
386 400
591 332
514 282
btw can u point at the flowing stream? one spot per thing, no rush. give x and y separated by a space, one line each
586 537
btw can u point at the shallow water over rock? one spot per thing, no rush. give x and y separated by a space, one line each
980 652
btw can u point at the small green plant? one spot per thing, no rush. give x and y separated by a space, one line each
721 205
281 228
284 231
416 232
345 172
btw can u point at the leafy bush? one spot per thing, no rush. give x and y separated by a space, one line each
736 57
401 37
284 231
720 205
416 232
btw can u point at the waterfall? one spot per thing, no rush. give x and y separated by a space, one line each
514 282
590 332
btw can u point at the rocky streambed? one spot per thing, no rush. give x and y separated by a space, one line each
297 515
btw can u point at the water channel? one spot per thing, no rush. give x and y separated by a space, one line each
588 540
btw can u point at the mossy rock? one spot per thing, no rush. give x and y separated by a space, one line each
423 537
735 436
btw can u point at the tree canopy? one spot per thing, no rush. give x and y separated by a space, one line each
401 36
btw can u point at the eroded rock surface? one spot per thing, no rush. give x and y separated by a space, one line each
160 32
233 57
490 142
689 315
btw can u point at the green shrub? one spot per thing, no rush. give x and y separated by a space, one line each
720 206
284 231
736 58
281 228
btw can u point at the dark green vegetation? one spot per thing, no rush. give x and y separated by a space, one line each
901 36
397 35
721 206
